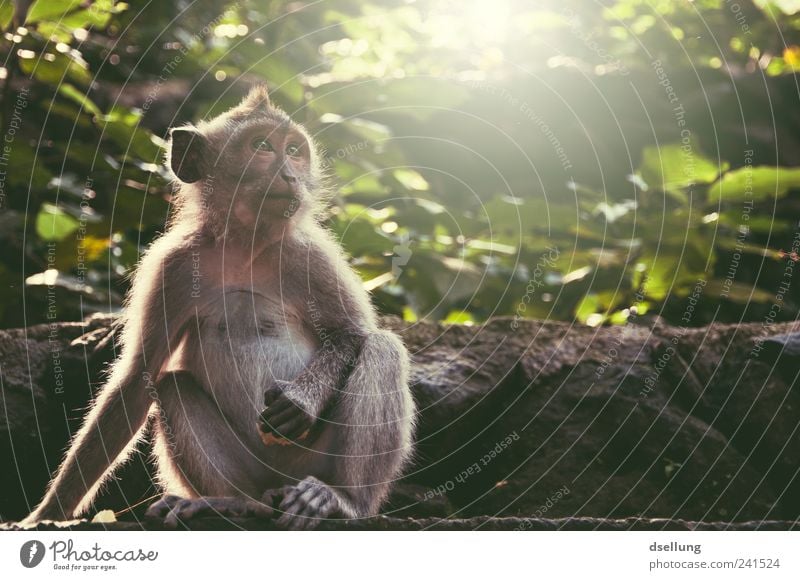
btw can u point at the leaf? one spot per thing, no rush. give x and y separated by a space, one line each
737 291
52 224
791 54
93 247
612 212
79 97
53 72
122 127
367 183
359 237
588 306
677 166
785 6
52 277
550 215
757 183
50 9
459 317
104 517
6 12
411 179
370 131
409 315
27 170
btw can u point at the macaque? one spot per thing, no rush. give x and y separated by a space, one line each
252 344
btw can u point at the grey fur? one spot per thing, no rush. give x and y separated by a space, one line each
225 310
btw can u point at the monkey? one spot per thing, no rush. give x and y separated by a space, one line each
250 346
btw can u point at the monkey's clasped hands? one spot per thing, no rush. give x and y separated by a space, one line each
283 416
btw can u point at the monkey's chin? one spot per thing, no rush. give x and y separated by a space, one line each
282 206
281 198
285 195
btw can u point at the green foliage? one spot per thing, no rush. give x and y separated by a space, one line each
567 160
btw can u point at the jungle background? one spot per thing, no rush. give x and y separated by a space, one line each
567 160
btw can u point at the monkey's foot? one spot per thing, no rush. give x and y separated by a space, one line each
174 509
306 503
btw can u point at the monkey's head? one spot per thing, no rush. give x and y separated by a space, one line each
253 166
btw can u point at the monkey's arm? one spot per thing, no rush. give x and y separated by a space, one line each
338 312
292 407
371 420
117 417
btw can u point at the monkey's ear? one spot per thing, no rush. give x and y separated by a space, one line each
258 97
187 153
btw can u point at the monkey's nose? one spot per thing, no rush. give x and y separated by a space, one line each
289 178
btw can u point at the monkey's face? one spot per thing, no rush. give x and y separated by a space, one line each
255 164
270 163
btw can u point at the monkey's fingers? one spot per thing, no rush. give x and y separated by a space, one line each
274 418
306 504
274 497
289 425
224 507
295 428
270 439
162 507
177 514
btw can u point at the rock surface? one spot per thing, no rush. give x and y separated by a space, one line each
567 427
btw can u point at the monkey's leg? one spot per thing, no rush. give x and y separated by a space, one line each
368 440
107 436
201 455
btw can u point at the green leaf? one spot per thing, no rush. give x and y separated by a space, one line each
369 131
79 97
53 72
6 12
677 166
122 127
588 305
53 224
459 317
756 183
738 291
368 183
411 179
409 315
51 9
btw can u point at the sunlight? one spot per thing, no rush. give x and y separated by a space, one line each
474 22
489 20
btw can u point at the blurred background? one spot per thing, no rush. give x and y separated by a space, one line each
599 161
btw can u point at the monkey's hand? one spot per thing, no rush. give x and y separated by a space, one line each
285 416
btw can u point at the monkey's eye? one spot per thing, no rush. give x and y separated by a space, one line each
293 150
261 144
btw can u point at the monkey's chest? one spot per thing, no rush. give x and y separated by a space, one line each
244 342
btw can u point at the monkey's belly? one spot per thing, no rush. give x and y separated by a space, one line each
244 348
